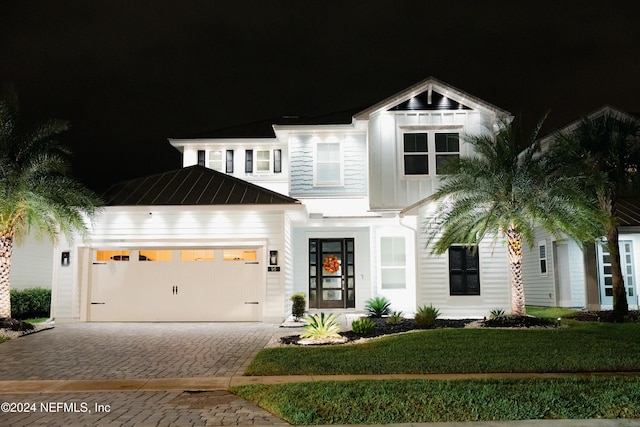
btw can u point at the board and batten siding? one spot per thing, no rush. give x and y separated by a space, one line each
168 226
433 278
354 166
32 263
389 189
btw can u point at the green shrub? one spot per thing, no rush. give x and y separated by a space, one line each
321 327
426 316
498 312
378 307
395 318
299 305
30 303
363 326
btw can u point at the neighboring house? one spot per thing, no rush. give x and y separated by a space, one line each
327 207
558 273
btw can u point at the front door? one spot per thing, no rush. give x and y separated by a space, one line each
628 274
331 273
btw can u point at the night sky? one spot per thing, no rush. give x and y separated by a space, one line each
130 74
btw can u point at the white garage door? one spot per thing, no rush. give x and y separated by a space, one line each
163 284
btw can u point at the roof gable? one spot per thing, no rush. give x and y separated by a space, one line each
440 95
193 185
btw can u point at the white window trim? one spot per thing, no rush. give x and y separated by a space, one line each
431 131
256 161
222 159
318 183
405 267
543 243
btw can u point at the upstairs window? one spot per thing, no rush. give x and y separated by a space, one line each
215 161
426 153
447 149
464 271
416 154
328 164
263 161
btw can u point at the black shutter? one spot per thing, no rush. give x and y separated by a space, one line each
202 158
229 161
248 161
277 161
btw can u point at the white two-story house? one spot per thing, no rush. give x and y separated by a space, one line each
328 207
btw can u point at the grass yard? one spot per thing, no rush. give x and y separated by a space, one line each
396 401
580 347
549 312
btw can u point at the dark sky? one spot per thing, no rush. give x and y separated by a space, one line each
130 74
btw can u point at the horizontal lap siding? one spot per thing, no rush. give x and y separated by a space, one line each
537 286
433 279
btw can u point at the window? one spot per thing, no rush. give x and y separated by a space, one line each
196 255
263 161
239 255
229 166
277 161
215 160
154 255
417 146
112 255
464 271
416 157
248 161
447 149
542 254
392 263
328 164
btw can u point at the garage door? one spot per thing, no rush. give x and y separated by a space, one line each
164 284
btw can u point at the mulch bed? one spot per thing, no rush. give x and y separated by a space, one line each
604 316
14 324
383 328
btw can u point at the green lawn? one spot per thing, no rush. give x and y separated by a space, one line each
409 401
549 312
580 347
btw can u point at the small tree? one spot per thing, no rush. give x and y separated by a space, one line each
36 192
605 152
503 191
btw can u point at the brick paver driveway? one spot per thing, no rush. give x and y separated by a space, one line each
134 350
108 351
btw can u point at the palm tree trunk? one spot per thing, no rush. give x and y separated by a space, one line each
514 247
6 250
620 304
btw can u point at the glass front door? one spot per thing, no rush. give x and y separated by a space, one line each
628 274
331 273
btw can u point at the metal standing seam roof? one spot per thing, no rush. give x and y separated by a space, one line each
193 185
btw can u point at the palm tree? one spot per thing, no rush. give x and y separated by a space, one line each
503 191
605 151
36 193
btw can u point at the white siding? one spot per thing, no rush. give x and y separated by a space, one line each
169 226
32 264
388 187
433 278
539 288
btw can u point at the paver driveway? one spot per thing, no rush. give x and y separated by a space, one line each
134 350
107 351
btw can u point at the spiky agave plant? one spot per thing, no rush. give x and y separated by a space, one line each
321 326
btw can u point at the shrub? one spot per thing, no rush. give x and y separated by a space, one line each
426 316
363 326
378 307
299 305
30 303
321 327
498 312
395 318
